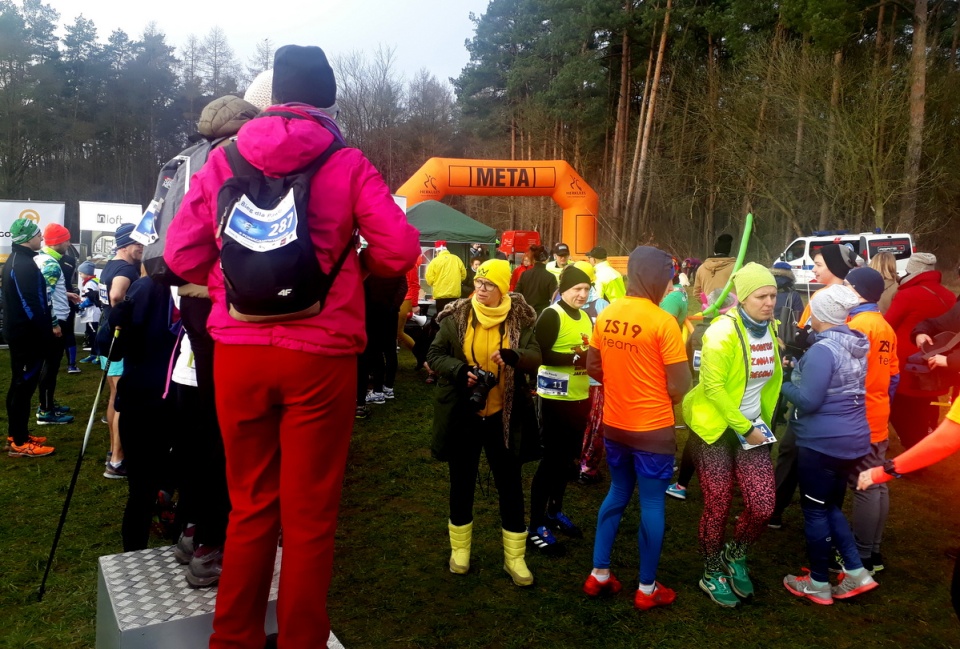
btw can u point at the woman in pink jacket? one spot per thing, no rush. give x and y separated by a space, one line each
284 390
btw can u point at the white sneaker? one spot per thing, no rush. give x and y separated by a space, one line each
376 397
387 393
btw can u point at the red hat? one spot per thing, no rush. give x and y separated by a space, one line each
440 244
55 234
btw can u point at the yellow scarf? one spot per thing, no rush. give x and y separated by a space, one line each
485 340
491 316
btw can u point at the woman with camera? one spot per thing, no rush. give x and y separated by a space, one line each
563 332
482 353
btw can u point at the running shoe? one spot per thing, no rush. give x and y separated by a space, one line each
53 418
544 541
90 359
661 596
717 586
73 369
115 471
594 587
877 560
204 568
33 439
30 450
388 393
376 397
738 573
803 586
362 412
775 522
850 586
677 491
560 522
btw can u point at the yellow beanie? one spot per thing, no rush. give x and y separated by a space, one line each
751 277
587 268
496 271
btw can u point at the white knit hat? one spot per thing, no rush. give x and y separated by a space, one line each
921 262
260 92
832 304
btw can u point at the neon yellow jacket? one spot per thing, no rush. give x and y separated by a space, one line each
445 274
609 282
714 404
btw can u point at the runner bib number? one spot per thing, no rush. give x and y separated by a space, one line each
263 230
553 384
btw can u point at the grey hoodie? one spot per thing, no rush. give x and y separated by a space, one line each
648 271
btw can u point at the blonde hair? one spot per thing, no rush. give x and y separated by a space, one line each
886 264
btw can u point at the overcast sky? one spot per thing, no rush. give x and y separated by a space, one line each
425 35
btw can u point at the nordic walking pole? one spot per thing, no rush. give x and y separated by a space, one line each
76 469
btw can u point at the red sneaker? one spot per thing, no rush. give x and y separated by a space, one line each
661 596
594 588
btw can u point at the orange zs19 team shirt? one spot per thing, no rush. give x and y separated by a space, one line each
636 339
882 365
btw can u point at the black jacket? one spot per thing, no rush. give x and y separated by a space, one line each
26 313
949 321
537 287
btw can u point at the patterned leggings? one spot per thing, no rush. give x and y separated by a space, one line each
591 456
720 467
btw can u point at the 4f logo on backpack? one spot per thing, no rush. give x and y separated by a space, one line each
262 230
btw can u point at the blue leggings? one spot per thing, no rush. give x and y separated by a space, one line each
628 468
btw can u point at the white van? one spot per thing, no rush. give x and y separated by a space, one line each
800 253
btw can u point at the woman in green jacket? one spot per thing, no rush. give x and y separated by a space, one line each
730 411
482 354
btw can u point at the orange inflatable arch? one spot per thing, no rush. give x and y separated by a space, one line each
440 177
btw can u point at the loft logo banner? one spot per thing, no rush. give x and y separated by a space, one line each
40 212
107 217
514 177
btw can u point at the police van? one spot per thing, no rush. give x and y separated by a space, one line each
801 251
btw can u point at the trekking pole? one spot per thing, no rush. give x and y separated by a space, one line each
76 469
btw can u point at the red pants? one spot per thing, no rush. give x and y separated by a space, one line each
271 400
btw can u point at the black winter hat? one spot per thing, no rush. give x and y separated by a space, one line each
723 245
302 74
839 260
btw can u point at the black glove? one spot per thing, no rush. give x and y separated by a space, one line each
509 356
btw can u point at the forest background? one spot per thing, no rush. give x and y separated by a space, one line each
683 114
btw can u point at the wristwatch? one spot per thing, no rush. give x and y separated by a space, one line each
889 469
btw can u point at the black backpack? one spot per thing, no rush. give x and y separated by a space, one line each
269 264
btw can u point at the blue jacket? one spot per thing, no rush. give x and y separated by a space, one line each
828 391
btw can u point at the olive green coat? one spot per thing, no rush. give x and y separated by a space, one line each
446 358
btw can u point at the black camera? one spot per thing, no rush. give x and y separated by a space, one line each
485 381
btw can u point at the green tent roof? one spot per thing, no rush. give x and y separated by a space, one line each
437 222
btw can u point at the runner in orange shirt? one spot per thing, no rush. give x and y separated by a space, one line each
637 353
871 506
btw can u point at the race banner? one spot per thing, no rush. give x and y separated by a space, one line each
41 212
107 217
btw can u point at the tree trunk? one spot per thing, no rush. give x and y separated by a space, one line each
828 155
648 125
623 121
918 89
631 189
712 98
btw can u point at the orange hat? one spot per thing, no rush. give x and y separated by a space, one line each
55 234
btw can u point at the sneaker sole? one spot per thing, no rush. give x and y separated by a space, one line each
13 453
182 557
201 582
114 476
677 496
710 594
866 588
815 600
53 423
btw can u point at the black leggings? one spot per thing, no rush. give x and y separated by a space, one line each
381 352
563 424
26 359
48 375
486 434
146 433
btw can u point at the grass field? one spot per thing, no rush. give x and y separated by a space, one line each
392 587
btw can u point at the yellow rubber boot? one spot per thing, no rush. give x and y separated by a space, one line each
514 549
460 538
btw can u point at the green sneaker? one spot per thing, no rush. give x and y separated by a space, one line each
717 586
738 573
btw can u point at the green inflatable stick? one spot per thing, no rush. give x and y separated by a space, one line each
712 310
